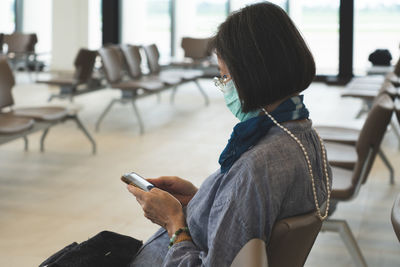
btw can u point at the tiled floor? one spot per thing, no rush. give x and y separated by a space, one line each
48 200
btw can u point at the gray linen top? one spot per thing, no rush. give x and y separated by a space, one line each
268 182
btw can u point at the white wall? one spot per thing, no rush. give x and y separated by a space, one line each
70 32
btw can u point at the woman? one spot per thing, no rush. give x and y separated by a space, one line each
274 165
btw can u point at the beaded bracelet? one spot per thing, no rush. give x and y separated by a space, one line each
177 233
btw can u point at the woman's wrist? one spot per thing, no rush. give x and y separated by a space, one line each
182 234
176 223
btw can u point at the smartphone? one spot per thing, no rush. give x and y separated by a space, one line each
137 180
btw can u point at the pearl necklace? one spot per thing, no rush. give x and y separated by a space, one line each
321 217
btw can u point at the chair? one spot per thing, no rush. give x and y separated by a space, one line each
21 42
341 143
134 60
21 49
115 70
12 127
82 78
253 254
292 239
395 217
368 95
44 117
196 49
346 183
368 91
153 57
11 124
289 245
367 88
198 56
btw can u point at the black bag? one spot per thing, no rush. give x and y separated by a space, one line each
380 57
106 249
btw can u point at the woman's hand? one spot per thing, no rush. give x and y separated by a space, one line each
160 207
181 189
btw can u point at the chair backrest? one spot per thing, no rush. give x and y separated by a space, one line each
7 82
370 138
84 64
113 63
253 254
1 42
196 48
20 42
133 60
153 57
292 239
395 216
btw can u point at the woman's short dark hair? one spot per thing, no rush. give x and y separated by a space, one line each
266 55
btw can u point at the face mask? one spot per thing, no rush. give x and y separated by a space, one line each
233 103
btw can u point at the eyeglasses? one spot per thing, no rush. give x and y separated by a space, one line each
220 82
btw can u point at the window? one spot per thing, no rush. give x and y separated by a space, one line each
318 21
376 25
147 22
7 16
198 19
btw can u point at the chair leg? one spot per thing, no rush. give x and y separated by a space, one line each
86 132
207 101
173 93
42 138
158 98
341 227
106 110
26 143
136 111
388 165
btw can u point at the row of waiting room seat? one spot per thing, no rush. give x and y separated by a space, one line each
122 69
133 83
351 152
351 164
368 89
21 122
197 57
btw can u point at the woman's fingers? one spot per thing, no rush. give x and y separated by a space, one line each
163 182
137 192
